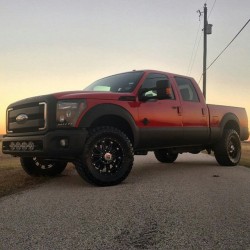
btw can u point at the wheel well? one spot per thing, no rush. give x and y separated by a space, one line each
114 121
232 125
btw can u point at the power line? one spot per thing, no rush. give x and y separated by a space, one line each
193 50
228 45
200 78
204 71
212 8
198 45
224 49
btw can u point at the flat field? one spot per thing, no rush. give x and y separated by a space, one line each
13 178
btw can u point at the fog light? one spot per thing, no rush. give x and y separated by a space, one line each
31 146
64 142
24 146
18 146
12 146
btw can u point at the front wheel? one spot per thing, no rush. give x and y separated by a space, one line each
228 151
165 156
107 157
41 167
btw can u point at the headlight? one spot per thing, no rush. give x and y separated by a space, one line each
68 112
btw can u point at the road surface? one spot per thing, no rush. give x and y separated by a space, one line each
191 204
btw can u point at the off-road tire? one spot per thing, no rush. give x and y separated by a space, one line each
228 151
107 158
165 156
40 167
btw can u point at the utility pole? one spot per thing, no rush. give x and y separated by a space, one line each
205 52
207 29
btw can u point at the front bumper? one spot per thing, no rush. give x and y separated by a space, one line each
57 144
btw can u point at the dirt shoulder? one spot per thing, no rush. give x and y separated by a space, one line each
14 179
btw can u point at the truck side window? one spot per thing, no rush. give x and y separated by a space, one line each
187 90
150 84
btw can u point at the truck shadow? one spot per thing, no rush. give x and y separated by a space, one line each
146 168
186 166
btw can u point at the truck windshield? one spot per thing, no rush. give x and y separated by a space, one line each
124 83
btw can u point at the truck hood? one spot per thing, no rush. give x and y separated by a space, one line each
75 95
89 95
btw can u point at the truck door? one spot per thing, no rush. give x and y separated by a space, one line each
160 121
194 113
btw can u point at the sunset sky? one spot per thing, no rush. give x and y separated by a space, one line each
55 45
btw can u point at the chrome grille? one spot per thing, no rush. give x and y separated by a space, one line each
29 117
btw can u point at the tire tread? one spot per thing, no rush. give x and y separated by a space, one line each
81 164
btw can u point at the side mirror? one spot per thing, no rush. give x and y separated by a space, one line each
163 89
143 97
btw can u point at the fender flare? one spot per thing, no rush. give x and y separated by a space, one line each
227 118
109 109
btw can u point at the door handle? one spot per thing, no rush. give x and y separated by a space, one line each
178 108
203 111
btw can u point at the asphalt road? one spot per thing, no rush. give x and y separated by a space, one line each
191 204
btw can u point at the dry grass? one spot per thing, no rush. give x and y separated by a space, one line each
13 178
245 157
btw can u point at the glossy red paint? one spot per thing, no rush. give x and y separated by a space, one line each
161 113
217 112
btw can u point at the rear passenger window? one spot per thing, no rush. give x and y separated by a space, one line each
187 90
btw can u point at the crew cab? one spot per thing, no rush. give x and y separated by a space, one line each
101 128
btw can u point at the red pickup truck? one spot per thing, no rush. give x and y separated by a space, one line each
101 128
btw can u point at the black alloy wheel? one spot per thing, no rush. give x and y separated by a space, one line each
165 156
41 167
107 157
228 151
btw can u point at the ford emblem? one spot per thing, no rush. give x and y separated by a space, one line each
22 118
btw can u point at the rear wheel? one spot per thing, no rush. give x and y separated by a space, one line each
107 157
165 156
41 167
228 151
